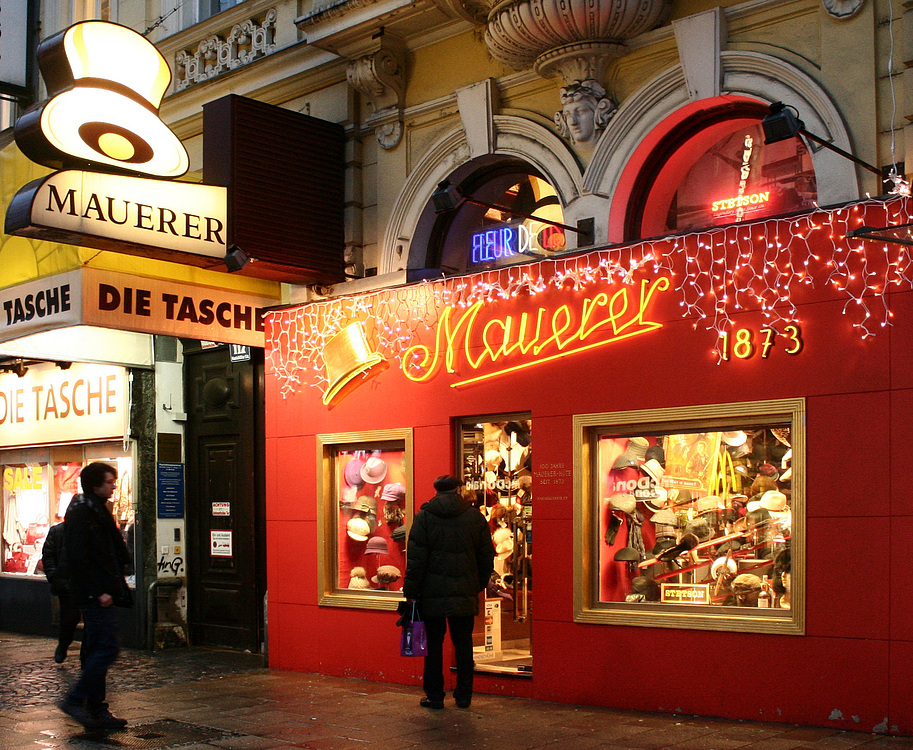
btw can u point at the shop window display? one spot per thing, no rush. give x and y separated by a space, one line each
495 454
367 508
695 518
37 488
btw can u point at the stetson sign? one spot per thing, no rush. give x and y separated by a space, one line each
105 85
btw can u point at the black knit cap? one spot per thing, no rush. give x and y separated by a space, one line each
446 483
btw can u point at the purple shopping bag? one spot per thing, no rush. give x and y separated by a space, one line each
414 641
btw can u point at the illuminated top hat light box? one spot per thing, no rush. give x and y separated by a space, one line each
105 84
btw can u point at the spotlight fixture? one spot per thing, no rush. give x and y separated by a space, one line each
17 367
235 259
449 197
783 123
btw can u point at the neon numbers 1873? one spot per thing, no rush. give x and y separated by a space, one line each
744 343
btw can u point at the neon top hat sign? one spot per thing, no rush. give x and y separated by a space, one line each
106 83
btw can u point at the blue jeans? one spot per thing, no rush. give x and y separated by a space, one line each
461 636
101 649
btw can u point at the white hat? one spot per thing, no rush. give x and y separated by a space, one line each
773 500
358 529
654 469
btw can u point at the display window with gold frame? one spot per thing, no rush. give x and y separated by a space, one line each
365 512
692 517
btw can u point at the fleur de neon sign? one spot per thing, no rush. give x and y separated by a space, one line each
519 342
105 84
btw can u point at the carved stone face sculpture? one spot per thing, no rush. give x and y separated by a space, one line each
584 113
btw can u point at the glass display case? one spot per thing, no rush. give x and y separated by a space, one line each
692 517
365 512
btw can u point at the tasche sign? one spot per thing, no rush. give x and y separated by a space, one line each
109 299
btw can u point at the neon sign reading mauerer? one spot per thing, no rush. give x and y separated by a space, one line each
467 340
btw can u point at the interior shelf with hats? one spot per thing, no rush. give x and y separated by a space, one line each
692 517
366 508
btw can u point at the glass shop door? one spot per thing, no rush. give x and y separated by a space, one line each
495 454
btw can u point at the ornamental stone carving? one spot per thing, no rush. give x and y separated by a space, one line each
558 37
244 43
585 112
380 77
843 9
574 40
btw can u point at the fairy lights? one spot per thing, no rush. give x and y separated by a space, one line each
769 267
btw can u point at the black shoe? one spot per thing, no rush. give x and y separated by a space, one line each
464 703
60 653
104 719
428 703
78 712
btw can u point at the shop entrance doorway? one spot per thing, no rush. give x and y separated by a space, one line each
495 454
225 496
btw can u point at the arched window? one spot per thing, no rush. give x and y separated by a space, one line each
499 232
716 169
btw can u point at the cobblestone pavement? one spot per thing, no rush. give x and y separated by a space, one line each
193 699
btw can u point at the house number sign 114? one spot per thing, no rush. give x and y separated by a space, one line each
744 343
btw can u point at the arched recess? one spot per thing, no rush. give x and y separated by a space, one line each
516 138
653 112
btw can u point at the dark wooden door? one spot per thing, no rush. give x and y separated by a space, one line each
226 538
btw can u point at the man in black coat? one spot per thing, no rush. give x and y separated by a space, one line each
52 559
96 559
450 558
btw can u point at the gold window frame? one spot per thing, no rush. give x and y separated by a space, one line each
330 593
587 606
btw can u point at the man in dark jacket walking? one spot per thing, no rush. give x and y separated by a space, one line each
96 559
52 560
450 558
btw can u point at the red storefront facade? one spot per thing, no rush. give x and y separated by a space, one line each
781 327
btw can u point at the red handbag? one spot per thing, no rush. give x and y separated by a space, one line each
17 562
37 531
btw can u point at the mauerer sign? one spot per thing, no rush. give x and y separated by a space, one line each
114 300
113 211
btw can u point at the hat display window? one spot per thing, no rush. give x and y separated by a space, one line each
694 501
366 509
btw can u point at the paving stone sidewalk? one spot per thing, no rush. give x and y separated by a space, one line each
195 699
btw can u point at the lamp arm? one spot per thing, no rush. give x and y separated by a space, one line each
504 210
832 147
